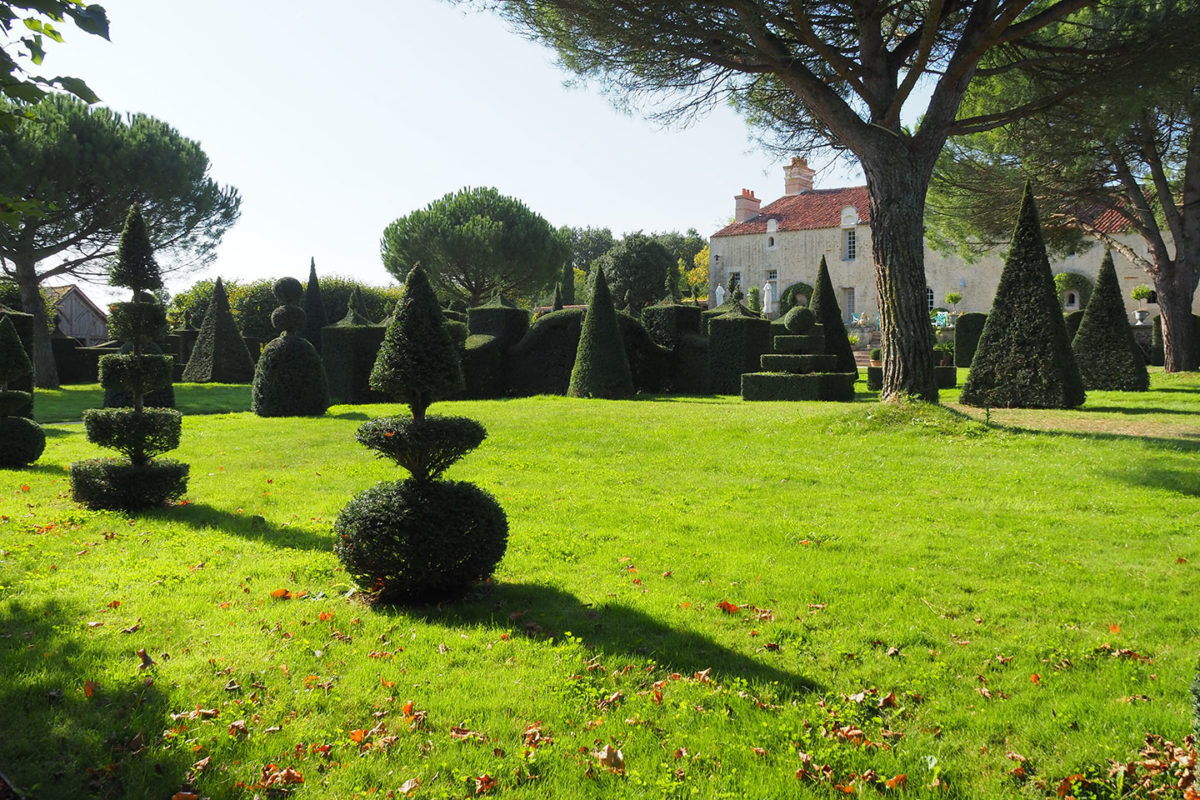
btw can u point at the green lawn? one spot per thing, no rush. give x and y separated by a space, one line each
918 594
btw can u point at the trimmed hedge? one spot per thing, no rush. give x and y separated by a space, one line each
1108 356
667 323
498 318
427 447
737 342
946 377
800 320
829 314
1074 319
349 356
787 299
779 386
22 441
314 307
807 343
601 367
411 541
1024 359
875 379
485 367
689 365
967 330
220 354
139 436
136 373
289 379
114 483
798 363
22 325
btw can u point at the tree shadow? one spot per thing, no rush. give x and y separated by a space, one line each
1137 410
37 469
55 433
348 415
61 742
612 629
248 526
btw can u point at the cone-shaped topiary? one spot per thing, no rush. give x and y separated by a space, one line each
356 310
422 538
220 354
601 366
22 440
1104 347
829 314
314 308
135 267
1023 359
558 301
418 362
289 379
138 480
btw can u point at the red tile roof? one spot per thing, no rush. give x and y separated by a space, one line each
811 210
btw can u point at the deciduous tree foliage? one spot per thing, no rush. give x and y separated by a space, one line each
475 243
83 168
832 74
636 269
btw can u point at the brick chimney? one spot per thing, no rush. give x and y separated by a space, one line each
745 206
798 176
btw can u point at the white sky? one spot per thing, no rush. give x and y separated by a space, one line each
331 125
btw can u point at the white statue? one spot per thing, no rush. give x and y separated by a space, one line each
720 295
768 292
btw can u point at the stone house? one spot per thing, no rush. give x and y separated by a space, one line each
782 243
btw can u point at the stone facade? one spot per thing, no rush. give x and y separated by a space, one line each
782 243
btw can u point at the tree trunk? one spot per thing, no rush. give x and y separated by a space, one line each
1181 351
897 184
45 373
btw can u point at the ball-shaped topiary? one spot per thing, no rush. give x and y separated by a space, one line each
413 541
799 320
22 441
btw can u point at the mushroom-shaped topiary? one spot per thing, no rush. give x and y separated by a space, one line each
21 440
138 479
289 380
420 539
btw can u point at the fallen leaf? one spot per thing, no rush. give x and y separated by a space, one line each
896 782
1114 628
610 757
281 594
410 786
386 683
407 708
95 624
460 733
357 735
1035 678
89 688
147 661
237 728
134 627
727 607
484 784
758 751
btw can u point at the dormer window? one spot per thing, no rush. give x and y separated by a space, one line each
770 242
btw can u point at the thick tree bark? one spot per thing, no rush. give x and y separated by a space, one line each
1180 348
45 372
897 184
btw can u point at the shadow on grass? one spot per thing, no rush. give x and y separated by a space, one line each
248 526
348 415
36 468
612 629
58 741
1136 410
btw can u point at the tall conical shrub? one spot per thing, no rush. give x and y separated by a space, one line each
289 379
420 539
829 314
138 479
601 366
220 354
1104 347
1024 359
314 307
22 440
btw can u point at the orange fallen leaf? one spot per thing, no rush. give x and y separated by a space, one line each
324 615
1035 678
386 683
896 782
610 757
728 607
758 751
407 708
357 735
1114 628
484 784
89 688
24 487
281 594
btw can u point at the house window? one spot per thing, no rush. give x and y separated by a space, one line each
1072 300
772 274
929 301
848 304
770 242
736 278
849 244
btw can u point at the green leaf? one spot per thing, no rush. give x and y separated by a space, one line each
90 19
77 87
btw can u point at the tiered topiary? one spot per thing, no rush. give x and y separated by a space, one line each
21 440
1104 347
220 354
829 315
1024 359
138 480
737 341
420 539
314 307
289 380
601 366
800 368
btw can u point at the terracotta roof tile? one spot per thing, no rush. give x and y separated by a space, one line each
811 210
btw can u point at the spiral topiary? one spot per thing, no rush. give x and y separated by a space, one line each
420 539
137 480
22 440
289 380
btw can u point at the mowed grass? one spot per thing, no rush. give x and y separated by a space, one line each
68 403
918 594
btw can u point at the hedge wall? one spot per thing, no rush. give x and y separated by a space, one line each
348 352
485 367
967 330
737 342
24 325
666 323
498 318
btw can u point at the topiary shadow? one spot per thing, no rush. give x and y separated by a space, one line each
611 628
1136 411
252 527
58 741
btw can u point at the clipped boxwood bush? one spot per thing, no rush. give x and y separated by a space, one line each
1104 347
138 437
114 483
349 353
736 343
117 397
668 322
22 441
485 367
828 313
967 329
875 379
780 386
413 541
797 294
426 448
945 376
1073 321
